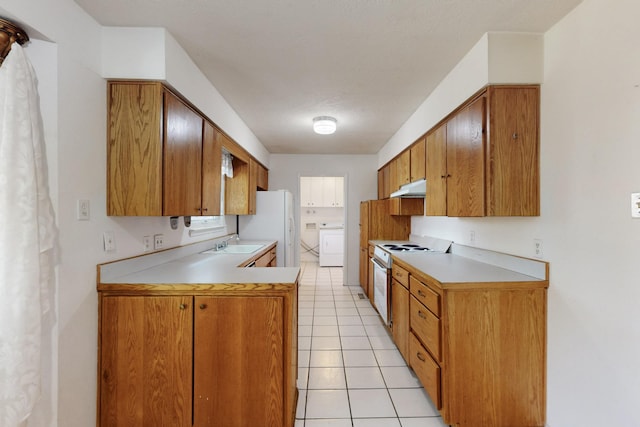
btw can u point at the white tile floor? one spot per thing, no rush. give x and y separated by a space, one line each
350 371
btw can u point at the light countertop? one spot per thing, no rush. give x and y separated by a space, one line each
449 268
195 268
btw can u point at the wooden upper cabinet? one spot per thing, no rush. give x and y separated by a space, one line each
465 161
403 168
513 164
182 177
262 177
211 175
394 184
253 185
417 167
134 149
436 172
239 197
384 178
482 160
162 158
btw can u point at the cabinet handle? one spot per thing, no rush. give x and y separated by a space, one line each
203 306
421 357
183 306
443 176
515 135
421 294
421 314
205 209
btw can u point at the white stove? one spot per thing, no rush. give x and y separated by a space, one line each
382 267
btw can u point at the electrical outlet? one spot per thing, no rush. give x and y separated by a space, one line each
635 205
146 243
83 210
472 237
109 241
537 248
158 241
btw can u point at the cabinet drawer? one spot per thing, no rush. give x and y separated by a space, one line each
426 326
401 275
425 295
426 369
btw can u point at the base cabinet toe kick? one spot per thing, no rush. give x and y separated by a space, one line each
478 348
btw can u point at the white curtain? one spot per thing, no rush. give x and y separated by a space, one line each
227 164
28 239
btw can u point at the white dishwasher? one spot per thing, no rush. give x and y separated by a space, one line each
331 242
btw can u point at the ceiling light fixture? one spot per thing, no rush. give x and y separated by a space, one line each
324 125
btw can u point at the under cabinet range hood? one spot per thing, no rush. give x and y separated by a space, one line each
413 189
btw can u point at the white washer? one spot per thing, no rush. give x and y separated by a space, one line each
331 242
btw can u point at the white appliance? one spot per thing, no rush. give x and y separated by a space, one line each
382 263
382 282
331 242
274 220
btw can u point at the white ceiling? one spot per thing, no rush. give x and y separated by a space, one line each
368 63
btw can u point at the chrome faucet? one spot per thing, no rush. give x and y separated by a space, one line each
225 242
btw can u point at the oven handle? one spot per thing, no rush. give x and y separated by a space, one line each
378 264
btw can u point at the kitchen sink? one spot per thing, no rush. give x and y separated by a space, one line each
235 249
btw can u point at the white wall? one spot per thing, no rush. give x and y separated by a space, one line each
361 184
590 133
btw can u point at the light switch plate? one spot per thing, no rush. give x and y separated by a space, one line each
83 211
109 241
635 205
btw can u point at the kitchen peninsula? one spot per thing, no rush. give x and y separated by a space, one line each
189 336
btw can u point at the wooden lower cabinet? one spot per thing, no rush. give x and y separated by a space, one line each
238 373
400 317
479 349
145 375
227 359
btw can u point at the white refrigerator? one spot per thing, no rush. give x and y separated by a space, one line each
273 220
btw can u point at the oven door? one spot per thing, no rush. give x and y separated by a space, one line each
381 289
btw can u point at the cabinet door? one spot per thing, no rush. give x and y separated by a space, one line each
436 172
328 191
211 175
238 361
513 184
394 184
465 161
305 191
263 178
182 161
417 160
134 152
335 191
364 224
400 317
364 268
403 168
253 185
145 361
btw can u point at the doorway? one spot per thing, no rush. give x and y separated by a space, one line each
322 220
